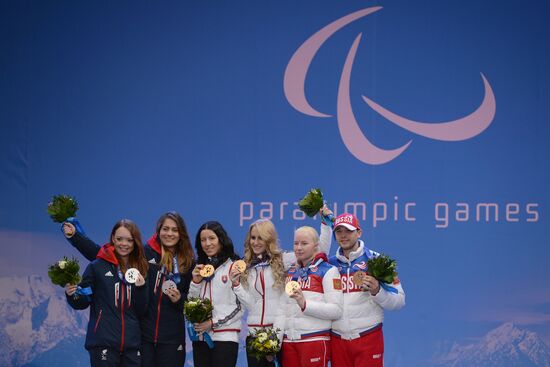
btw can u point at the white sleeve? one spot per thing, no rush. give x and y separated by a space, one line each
280 317
194 290
289 258
325 239
244 296
392 298
333 299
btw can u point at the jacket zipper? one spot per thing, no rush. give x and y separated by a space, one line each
97 321
122 318
158 319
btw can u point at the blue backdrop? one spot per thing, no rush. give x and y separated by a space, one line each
429 119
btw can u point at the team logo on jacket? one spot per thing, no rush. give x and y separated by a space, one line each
104 355
224 278
313 269
362 265
108 274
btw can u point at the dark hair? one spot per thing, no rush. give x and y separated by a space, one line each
184 251
227 250
136 259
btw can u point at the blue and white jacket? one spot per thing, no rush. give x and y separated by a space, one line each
363 312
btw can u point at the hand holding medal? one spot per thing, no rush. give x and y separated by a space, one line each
133 276
237 269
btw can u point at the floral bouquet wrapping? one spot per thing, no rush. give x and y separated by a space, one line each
263 342
62 207
383 268
197 310
65 271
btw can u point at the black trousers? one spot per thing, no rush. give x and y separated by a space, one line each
224 354
165 355
254 362
110 357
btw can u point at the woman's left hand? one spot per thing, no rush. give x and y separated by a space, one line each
203 327
140 281
173 294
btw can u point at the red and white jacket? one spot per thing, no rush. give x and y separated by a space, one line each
322 289
362 311
227 311
260 298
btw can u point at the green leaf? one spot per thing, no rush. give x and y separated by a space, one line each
312 202
62 207
383 268
197 310
64 271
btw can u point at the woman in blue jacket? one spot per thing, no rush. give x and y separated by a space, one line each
170 258
113 335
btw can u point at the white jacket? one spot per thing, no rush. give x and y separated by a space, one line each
260 298
362 311
228 311
323 293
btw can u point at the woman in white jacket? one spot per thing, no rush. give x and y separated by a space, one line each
260 286
214 247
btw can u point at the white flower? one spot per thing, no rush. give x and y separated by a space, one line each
62 264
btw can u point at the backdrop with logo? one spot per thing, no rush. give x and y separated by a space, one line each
428 119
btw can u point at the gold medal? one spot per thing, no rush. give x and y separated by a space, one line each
207 271
358 278
291 287
240 265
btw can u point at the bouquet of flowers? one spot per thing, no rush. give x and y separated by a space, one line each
312 202
197 310
263 342
383 268
62 207
65 271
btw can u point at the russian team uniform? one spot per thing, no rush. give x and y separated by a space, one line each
357 338
306 339
261 299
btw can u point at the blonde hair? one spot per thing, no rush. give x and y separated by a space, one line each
311 231
267 232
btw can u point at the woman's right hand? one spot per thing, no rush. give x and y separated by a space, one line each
235 276
197 278
68 229
70 289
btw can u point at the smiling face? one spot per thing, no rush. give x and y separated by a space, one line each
257 243
210 242
347 239
123 241
169 234
306 244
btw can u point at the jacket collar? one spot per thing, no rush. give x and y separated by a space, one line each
352 255
107 253
154 244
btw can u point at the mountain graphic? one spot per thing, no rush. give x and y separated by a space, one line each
35 321
505 346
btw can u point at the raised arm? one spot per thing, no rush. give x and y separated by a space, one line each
75 235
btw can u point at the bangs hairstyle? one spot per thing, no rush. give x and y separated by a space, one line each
268 233
184 250
227 250
136 258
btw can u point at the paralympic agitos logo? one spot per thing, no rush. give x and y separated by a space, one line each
354 139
